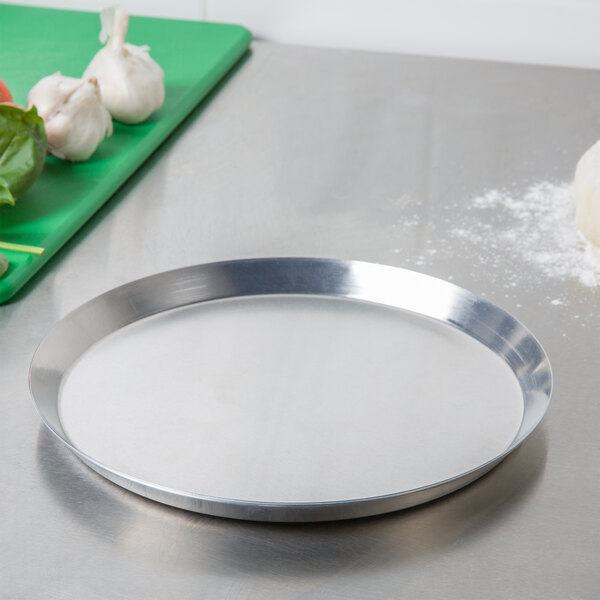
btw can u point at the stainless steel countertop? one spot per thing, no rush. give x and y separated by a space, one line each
337 154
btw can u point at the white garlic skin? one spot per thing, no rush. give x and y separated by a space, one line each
587 194
132 83
75 119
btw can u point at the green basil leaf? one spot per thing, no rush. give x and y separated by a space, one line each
22 151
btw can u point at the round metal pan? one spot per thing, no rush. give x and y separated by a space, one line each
290 389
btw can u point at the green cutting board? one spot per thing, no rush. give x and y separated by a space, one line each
35 42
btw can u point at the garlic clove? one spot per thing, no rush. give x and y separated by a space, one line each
76 121
132 83
49 93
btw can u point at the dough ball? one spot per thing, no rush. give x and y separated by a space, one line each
587 194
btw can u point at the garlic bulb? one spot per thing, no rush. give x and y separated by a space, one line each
132 84
3 264
74 116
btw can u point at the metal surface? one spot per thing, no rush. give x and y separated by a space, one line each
340 155
453 410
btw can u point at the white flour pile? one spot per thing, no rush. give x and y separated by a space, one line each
536 228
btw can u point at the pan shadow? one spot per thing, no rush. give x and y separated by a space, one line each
161 535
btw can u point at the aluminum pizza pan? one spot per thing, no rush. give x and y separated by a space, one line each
290 389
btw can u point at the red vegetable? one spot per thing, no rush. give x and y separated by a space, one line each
5 95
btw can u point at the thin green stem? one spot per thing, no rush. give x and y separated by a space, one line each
21 248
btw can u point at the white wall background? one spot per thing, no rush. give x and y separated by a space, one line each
554 32
174 9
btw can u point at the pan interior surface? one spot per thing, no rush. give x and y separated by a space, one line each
290 399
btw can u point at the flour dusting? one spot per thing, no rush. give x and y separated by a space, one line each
537 228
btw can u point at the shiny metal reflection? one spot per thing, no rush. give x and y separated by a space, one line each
378 284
